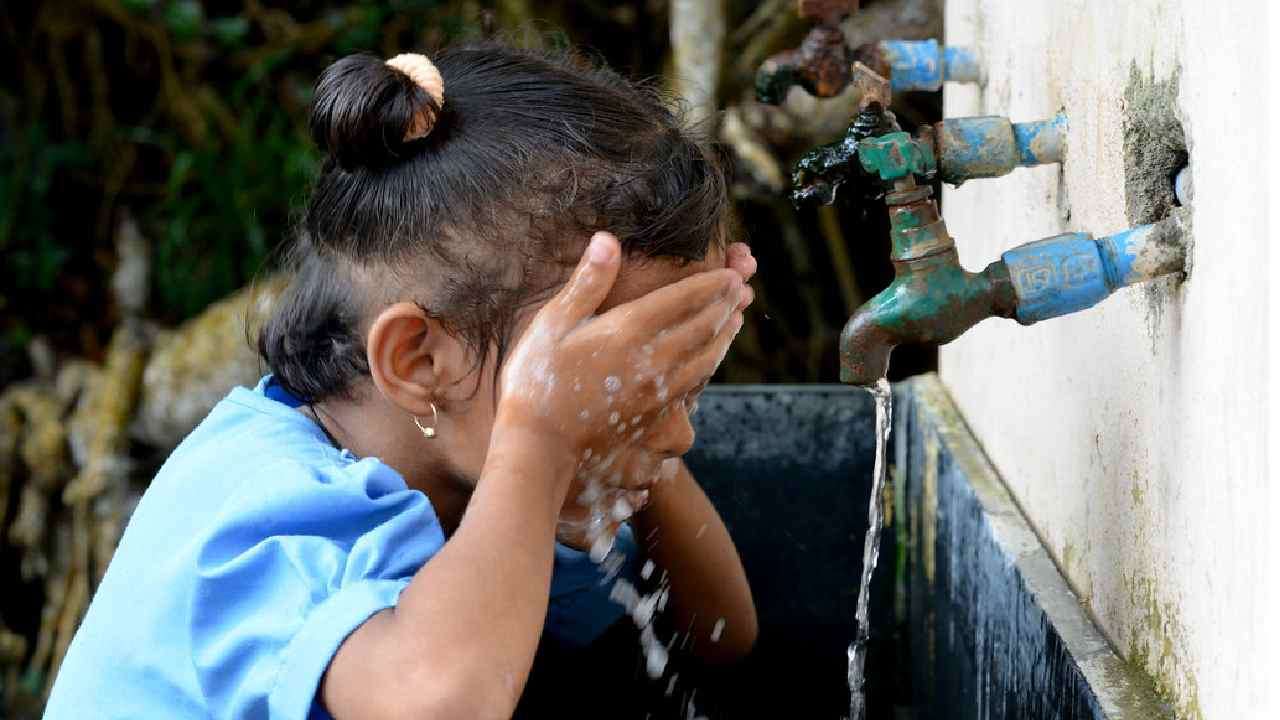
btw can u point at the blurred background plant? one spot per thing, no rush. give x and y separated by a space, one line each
152 153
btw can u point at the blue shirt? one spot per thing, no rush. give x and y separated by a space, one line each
256 550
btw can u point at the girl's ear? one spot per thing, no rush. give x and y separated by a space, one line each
412 359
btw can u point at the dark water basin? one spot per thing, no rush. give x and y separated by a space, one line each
970 618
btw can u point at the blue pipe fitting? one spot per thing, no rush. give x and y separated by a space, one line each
960 64
924 65
987 147
1040 142
1067 273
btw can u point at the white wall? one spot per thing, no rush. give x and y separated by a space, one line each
1134 434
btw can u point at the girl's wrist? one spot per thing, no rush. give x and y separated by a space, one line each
532 441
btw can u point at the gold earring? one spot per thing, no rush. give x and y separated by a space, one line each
428 432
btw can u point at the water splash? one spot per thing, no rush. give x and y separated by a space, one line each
883 395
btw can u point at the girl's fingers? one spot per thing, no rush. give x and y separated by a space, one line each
590 283
691 337
670 305
738 258
703 364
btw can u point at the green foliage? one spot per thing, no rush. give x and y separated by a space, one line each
225 207
230 31
185 19
191 118
28 168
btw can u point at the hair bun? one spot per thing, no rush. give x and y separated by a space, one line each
367 112
425 75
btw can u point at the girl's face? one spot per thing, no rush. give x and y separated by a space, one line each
471 416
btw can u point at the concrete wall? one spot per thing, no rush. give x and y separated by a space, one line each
1134 434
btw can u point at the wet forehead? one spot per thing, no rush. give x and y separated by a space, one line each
641 277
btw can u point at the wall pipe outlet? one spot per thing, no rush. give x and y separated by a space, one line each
1067 273
992 146
924 65
934 300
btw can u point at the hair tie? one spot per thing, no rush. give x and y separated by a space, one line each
424 73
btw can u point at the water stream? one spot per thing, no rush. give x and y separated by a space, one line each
883 395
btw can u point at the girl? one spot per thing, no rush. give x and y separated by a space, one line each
462 372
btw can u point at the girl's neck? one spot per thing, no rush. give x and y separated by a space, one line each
368 433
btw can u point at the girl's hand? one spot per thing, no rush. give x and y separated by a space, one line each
593 385
602 499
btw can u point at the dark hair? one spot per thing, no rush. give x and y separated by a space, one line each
530 153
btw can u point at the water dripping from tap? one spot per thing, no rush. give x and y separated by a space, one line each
883 394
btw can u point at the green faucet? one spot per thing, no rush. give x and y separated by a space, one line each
932 299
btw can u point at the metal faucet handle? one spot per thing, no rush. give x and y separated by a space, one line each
833 167
897 156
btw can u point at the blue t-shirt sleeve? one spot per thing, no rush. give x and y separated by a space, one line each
580 609
299 559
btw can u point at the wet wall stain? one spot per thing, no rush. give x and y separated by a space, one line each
1154 644
1155 149
1155 146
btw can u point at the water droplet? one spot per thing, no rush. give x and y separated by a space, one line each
612 384
624 594
589 495
601 547
670 467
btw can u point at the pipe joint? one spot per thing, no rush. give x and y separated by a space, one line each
925 65
1068 273
992 146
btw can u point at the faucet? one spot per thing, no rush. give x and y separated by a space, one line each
824 64
933 299
956 150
